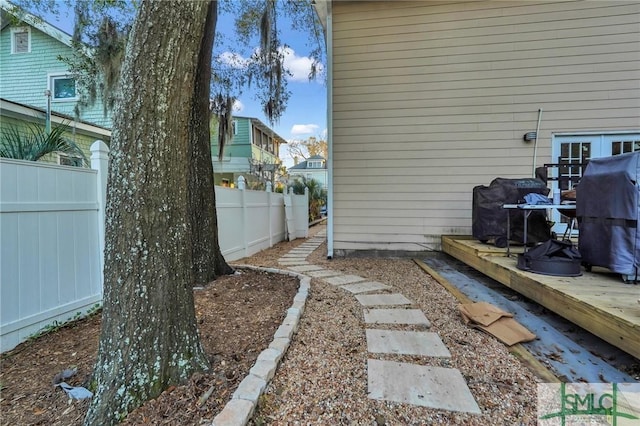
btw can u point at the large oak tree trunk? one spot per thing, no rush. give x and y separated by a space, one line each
208 261
149 337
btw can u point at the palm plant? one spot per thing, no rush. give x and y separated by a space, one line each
317 195
33 142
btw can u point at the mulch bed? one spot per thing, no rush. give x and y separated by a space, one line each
237 318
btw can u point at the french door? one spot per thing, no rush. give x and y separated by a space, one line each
575 150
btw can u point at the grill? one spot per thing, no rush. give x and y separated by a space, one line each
489 219
608 209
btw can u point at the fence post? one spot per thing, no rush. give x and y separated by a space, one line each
269 217
245 214
306 211
100 162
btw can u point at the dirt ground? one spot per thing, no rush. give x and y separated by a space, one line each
237 318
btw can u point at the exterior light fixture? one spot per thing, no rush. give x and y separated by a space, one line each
528 137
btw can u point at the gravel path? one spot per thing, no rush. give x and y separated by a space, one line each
322 379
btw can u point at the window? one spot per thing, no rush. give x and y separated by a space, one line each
67 160
624 146
575 154
21 40
63 87
314 165
234 126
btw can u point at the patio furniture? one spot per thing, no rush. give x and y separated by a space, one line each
527 209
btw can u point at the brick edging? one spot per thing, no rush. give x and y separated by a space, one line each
244 400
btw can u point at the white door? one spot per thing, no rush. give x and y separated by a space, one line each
579 149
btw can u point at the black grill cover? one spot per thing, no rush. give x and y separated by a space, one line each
489 219
607 207
552 257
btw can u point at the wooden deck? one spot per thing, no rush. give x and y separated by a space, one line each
599 302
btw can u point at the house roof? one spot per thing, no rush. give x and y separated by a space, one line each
34 114
7 8
304 165
323 9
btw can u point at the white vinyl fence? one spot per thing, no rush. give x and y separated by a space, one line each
52 238
251 221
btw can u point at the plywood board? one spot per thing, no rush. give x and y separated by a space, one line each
598 302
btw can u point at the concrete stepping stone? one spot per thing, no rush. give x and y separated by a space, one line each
382 299
395 316
365 287
300 254
406 343
305 268
344 279
294 255
292 262
433 387
323 273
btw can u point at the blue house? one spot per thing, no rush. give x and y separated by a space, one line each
315 167
31 72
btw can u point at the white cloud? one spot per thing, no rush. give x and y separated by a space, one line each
298 66
304 129
238 106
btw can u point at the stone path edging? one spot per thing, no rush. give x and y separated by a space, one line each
244 400
434 387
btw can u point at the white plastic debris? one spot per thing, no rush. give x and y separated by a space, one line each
75 392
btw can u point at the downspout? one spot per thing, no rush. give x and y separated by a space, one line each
47 122
329 32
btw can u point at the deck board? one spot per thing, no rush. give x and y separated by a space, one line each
599 302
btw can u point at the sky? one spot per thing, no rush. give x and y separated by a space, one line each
305 115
